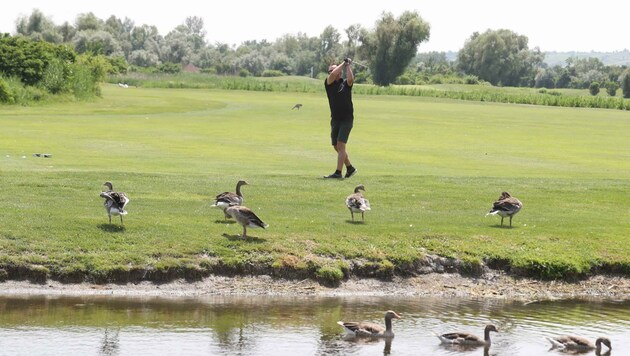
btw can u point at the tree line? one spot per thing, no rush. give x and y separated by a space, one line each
390 51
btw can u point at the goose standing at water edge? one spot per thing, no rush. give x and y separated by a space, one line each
506 205
369 329
571 342
226 199
115 202
461 338
356 203
246 217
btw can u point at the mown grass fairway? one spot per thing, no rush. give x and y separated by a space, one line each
431 169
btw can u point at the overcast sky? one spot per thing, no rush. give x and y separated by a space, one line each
551 25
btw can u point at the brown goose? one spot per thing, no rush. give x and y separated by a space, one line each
506 205
356 203
571 342
246 217
461 338
369 329
226 199
115 202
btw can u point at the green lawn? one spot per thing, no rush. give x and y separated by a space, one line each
431 168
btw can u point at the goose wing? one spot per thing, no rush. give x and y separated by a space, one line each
245 216
460 338
571 341
363 328
228 198
508 205
115 199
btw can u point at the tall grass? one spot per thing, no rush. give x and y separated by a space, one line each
483 93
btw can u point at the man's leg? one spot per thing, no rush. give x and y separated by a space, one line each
342 155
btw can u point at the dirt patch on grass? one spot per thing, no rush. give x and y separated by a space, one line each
490 285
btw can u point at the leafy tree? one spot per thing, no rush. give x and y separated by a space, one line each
500 57
96 42
625 84
88 21
611 88
196 33
143 58
66 31
393 44
544 78
329 48
38 27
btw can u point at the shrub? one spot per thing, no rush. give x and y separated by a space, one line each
611 88
593 88
169 67
6 96
244 73
471 79
54 79
83 83
272 73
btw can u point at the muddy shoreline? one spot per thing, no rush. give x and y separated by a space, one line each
490 285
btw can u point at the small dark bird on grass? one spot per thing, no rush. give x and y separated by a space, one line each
115 202
246 217
506 205
296 106
356 203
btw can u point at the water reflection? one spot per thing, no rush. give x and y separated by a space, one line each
109 343
303 326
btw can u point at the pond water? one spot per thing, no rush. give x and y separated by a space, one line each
254 325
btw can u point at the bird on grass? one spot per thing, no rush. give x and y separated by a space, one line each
462 338
226 199
578 343
369 329
246 217
115 202
296 106
356 203
506 205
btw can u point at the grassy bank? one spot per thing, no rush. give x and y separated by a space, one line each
431 168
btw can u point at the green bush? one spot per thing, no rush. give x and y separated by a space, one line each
6 96
611 88
244 73
272 73
54 79
594 88
83 83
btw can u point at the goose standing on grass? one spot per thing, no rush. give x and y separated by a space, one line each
461 338
115 202
369 329
226 199
246 217
506 205
578 343
356 203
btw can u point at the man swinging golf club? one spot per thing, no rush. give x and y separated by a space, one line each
339 93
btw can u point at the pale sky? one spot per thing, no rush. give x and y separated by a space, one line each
551 25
